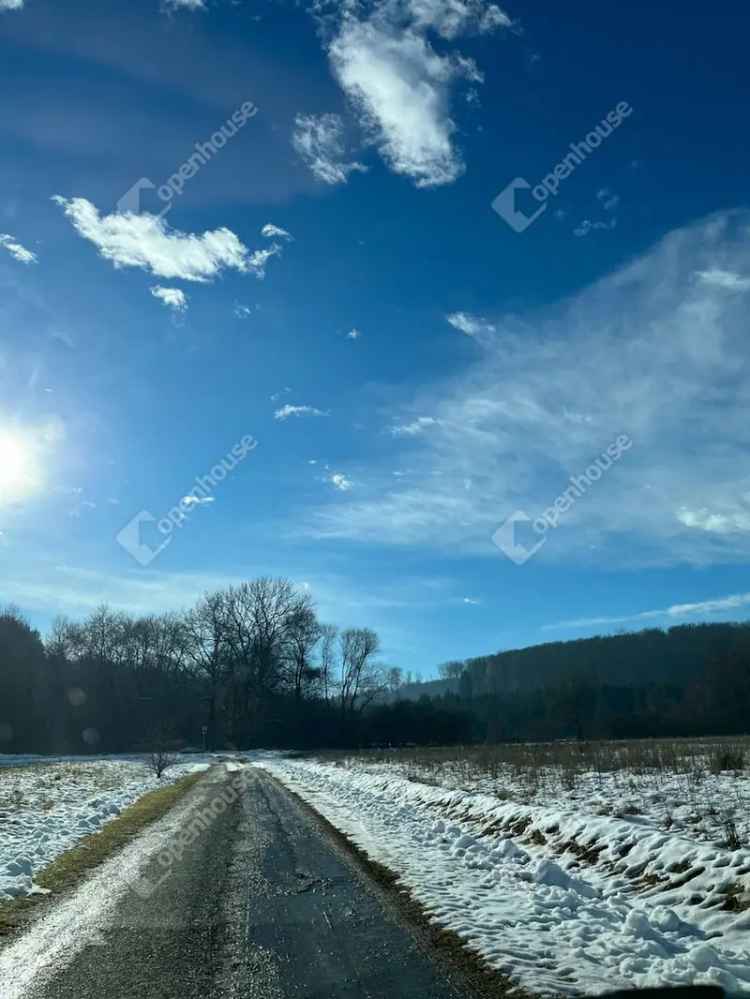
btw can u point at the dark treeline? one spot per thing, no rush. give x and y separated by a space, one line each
689 680
254 666
251 664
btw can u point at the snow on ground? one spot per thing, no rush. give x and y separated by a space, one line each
564 895
45 808
29 963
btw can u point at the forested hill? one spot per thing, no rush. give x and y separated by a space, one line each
689 680
676 657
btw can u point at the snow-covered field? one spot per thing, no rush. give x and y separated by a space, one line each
575 884
45 808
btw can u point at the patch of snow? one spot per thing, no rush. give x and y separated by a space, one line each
46 808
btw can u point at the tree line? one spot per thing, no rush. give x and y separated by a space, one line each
247 666
252 666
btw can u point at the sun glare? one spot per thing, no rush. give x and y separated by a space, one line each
18 467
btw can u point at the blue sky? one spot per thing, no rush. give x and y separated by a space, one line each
333 282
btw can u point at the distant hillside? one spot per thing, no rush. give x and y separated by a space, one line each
677 656
689 680
413 691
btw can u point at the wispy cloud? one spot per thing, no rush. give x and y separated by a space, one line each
11 4
720 605
185 4
608 199
319 141
271 231
286 411
414 428
648 351
147 242
15 249
471 325
728 280
353 334
193 500
173 298
587 226
340 482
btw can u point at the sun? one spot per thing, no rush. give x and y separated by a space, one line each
18 466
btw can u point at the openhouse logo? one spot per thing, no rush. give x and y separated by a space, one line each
173 187
549 187
201 493
505 536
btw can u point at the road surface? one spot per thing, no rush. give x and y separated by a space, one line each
262 904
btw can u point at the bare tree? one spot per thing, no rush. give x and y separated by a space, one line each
328 635
394 678
302 634
451 670
361 677
160 760
207 649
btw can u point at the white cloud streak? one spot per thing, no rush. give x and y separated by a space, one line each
185 4
319 141
16 250
474 326
286 411
147 242
719 278
719 605
415 427
648 351
271 231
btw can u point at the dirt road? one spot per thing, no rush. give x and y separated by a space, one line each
263 904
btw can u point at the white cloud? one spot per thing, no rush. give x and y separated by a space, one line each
185 4
340 482
470 325
720 605
192 500
319 140
11 4
587 226
715 522
353 334
242 311
414 428
401 87
146 241
14 248
648 351
173 298
286 411
271 231
472 601
451 18
727 280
